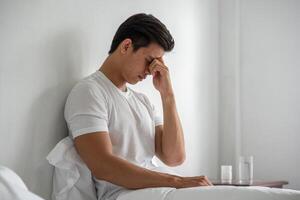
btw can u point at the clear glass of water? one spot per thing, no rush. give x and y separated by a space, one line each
226 173
246 169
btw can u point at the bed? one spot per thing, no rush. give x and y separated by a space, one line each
13 188
212 193
72 180
70 161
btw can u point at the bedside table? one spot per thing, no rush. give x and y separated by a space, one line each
272 184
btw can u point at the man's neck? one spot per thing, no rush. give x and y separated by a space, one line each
111 70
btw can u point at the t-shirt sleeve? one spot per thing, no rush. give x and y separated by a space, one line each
156 114
86 110
158 120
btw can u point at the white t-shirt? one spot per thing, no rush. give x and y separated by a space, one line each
96 104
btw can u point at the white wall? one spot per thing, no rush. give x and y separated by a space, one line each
194 72
259 84
46 46
229 87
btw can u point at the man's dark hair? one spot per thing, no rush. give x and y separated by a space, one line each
143 29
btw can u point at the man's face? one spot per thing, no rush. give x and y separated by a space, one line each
136 66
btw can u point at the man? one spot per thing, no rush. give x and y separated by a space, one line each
116 130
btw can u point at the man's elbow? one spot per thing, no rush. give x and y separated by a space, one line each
176 161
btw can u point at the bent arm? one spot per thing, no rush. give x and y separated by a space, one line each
96 151
169 139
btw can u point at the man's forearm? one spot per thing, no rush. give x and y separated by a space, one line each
121 172
170 140
172 136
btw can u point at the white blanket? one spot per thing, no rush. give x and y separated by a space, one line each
212 193
12 186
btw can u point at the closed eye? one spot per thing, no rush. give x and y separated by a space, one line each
148 61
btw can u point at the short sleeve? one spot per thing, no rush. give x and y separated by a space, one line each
156 115
158 120
86 110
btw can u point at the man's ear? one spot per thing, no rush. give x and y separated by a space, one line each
126 45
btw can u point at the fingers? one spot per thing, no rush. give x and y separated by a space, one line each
208 181
203 180
161 60
195 181
157 66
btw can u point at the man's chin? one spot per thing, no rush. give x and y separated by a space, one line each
133 82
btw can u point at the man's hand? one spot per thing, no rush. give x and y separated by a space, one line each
186 182
161 77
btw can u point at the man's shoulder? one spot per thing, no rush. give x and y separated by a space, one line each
88 85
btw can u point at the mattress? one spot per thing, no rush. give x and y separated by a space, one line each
211 193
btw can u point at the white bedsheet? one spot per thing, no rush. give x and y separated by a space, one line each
212 193
12 186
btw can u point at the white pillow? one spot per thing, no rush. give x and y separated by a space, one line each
72 180
12 186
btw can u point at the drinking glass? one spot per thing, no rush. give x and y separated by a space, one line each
226 173
246 169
